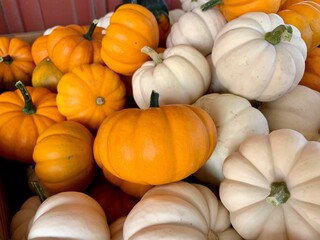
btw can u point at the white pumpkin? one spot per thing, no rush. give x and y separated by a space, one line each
105 20
180 75
175 14
298 110
116 228
250 63
69 215
189 5
179 210
235 120
197 28
271 187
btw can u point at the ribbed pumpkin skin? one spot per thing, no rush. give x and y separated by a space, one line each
156 145
68 48
21 66
19 131
311 76
89 93
131 27
39 49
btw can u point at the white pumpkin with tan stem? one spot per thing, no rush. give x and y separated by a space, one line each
189 5
298 110
258 57
180 74
271 187
178 211
235 120
69 215
197 28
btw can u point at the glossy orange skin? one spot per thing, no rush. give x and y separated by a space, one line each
286 3
39 49
19 131
89 93
132 27
311 77
22 65
157 145
305 15
63 157
68 48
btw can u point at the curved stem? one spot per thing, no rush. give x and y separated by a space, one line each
279 194
6 59
280 33
92 27
152 53
29 107
154 99
210 4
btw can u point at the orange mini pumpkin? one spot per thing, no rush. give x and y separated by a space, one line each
24 114
73 45
39 49
16 62
131 27
157 145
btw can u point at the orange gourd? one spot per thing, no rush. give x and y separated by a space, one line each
16 62
311 76
89 93
131 27
39 49
24 114
73 45
157 145
232 9
305 15
63 157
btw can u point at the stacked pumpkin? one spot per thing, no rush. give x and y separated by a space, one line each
198 119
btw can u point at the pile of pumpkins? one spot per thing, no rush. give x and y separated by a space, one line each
201 122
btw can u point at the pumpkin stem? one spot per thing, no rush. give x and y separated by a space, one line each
154 99
100 101
39 190
282 32
210 4
92 27
6 59
152 53
29 107
279 194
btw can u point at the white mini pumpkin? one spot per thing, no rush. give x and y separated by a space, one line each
189 5
258 57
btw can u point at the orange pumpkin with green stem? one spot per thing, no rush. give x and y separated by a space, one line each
24 114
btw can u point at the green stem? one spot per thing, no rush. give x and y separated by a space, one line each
280 33
39 190
210 4
92 27
154 99
152 53
29 107
6 59
279 194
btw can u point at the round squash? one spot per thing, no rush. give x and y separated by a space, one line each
63 157
271 187
131 27
89 93
157 145
16 62
235 120
179 210
39 49
258 57
24 114
69 215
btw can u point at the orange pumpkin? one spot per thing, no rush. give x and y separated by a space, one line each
89 93
131 27
232 9
73 45
24 114
63 157
157 145
305 15
311 76
16 62
39 49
